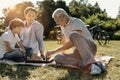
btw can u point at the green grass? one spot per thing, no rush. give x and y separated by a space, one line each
8 72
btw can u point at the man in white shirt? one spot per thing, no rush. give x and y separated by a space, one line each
75 34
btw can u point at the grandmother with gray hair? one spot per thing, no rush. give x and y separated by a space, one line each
74 35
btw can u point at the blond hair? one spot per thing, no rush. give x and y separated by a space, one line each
28 9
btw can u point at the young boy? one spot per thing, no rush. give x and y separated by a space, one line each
9 39
32 33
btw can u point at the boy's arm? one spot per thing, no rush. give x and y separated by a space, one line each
9 49
63 39
19 43
7 45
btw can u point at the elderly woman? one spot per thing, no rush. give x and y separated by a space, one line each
75 34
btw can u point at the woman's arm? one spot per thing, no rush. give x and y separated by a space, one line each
39 36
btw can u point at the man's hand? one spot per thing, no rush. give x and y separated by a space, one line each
50 53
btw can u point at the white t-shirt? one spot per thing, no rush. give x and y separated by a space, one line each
7 36
27 36
76 24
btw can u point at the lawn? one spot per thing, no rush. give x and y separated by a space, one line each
8 72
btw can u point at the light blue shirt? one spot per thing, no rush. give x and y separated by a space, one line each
35 37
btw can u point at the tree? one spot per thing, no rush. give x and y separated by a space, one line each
74 8
83 9
16 12
45 9
117 23
62 4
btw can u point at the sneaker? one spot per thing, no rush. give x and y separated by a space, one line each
102 66
95 69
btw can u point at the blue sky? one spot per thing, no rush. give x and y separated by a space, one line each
111 6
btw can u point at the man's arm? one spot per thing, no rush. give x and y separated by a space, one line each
67 45
63 39
64 47
79 31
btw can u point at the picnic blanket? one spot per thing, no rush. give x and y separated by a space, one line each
24 63
104 59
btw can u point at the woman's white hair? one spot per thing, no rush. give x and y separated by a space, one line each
58 12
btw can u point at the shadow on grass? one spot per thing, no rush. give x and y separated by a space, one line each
76 74
16 72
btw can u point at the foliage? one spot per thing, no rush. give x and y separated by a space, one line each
1 31
117 35
46 9
16 12
83 9
92 20
117 23
110 25
2 25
